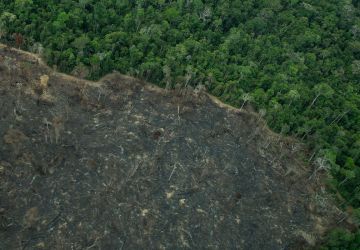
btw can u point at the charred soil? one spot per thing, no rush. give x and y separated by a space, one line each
122 164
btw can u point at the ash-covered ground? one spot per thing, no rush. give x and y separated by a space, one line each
121 164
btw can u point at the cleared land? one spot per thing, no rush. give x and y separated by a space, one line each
121 164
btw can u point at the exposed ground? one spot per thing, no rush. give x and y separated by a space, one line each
121 164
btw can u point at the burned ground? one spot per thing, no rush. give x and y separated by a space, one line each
121 164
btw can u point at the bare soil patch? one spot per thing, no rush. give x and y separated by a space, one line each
121 164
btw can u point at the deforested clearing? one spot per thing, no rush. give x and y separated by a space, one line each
122 164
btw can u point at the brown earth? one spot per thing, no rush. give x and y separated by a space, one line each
122 164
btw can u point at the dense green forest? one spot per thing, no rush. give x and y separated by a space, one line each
295 61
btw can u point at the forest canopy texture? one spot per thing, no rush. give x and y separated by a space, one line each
297 62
